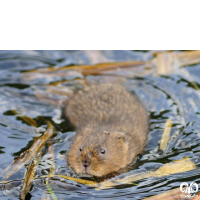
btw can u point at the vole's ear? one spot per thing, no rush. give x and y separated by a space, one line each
121 139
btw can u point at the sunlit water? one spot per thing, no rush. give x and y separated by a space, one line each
165 97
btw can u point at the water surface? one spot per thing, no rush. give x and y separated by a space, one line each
171 96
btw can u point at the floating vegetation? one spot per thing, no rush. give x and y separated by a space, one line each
166 135
168 85
29 154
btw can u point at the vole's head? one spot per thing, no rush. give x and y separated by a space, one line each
98 153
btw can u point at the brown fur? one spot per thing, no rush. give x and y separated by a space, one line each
109 117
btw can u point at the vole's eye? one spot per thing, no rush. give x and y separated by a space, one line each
102 151
81 149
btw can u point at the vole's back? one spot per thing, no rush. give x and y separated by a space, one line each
107 105
111 129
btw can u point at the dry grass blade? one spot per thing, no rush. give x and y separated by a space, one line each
166 135
30 121
4 182
188 57
174 194
29 175
81 181
102 67
168 62
178 166
28 155
165 62
171 168
91 69
60 83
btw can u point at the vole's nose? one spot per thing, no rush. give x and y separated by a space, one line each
86 163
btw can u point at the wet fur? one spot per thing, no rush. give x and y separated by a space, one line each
109 117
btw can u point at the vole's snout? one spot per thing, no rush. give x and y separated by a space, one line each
86 163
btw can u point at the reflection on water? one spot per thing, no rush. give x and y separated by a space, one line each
173 96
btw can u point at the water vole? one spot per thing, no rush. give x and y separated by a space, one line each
111 129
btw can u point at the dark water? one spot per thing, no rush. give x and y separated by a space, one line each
173 96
